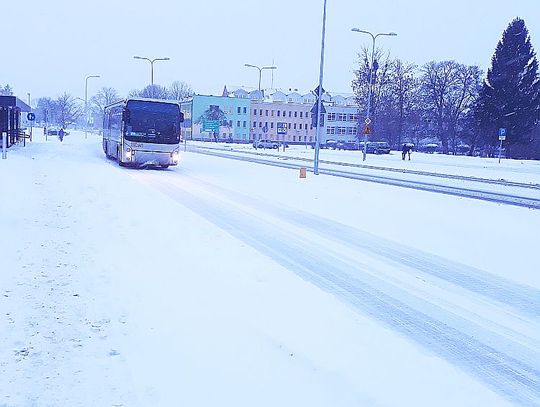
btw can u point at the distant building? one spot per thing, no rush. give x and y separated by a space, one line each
241 115
216 118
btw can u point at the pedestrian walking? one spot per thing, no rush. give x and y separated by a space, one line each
406 150
61 134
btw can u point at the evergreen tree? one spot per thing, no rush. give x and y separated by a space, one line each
510 95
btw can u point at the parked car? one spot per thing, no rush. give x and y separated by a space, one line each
54 132
266 144
348 145
330 144
377 147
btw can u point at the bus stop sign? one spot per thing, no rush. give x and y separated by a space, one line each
31 117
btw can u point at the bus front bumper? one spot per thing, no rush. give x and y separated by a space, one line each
140 158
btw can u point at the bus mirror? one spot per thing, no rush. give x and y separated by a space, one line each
181 117
125 116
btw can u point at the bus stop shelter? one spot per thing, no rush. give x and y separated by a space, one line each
10 118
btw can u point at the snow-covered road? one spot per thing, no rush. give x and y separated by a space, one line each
228 283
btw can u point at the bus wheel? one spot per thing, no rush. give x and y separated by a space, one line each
165 166
120 163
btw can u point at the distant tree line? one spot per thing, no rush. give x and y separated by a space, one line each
68 110
451 104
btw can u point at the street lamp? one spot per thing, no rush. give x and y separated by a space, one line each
371 69
260 68
320 92
86 102
152 65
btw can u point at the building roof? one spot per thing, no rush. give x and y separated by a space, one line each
13 101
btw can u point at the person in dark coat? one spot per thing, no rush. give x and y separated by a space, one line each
406 150
61 134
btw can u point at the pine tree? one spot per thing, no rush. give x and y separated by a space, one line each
510 95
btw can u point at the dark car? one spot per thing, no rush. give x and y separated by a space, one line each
348 145
378 147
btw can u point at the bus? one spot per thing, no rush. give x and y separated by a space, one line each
142 132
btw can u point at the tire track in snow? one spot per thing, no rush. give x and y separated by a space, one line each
504 365
519 297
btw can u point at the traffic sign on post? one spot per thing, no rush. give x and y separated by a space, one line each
502 138
502 132
31 117
314 114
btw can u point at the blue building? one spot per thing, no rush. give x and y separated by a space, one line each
216 118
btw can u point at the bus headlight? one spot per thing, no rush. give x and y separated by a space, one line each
175 157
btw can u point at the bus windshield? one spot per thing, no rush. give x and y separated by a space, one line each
153 122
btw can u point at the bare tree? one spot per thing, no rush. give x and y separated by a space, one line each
151 92
180 90
379 81
449 91
45 110
104 97
438 80
67 110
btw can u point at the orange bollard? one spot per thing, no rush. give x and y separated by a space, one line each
302 172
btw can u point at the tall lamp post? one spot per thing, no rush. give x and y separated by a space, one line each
86 103
371 69
260 68
318 111
152 65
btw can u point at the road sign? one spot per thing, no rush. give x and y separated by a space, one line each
316 91
367 129
502 138
265 129
316 107
210 125
502 132
31 117
282 128
367 121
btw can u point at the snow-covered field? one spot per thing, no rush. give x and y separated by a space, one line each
526 171
220 282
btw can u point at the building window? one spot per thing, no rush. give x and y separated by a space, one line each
254 112
278 112
254 124
238 122
294 126
295 114
293 138
271 125
351 117
245 111
244 124
342 130
272 113
342 117
238 110
302 114
331 117
300 126
290 113
330 130
266 113
284 113
260 124
260 112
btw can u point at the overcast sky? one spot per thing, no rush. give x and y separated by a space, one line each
50 46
